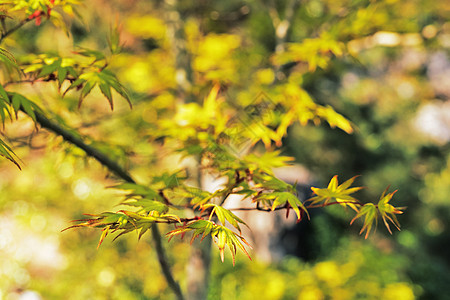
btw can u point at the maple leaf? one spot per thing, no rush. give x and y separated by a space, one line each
388 211
221 235
341 193
370 213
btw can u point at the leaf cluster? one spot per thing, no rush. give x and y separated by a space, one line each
125 221
222 135
221 235
11 104
315 52
82 74
341 194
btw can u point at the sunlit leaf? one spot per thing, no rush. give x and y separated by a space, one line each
221 235
124 221
317 52
170 180
19 102
4 105
97 55
224 214
387 211
8 59
334 119
340 193
147 205
269 182
268 161
287 200
369 211
105 232
8 153
50 68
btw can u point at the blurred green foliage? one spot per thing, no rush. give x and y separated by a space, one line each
391 81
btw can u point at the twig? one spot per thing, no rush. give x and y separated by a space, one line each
285 207
11 30
333 203
32 81
163 262
90 151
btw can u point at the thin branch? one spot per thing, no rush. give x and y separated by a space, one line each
199 265
32 81
238 180
175 32
285 25
120 172
273 13
282 28
13 29
333 203
90 151
257 207
163 262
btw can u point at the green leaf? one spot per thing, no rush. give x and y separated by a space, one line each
224 214
105 80
284 198
49 69
78 82
114 40
144 229
139 190
3 94
222 236
147 205
388 211
62 73
170 180
369 211
334 119
197 196
90 53
106 91
125 221
85 91
340 193
4 105
29 107
109 79
269 182
314 51
7 153
267 161
16 102
8 59
105 232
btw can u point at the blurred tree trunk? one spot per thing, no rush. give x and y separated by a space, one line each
176 34
282 23
198 268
